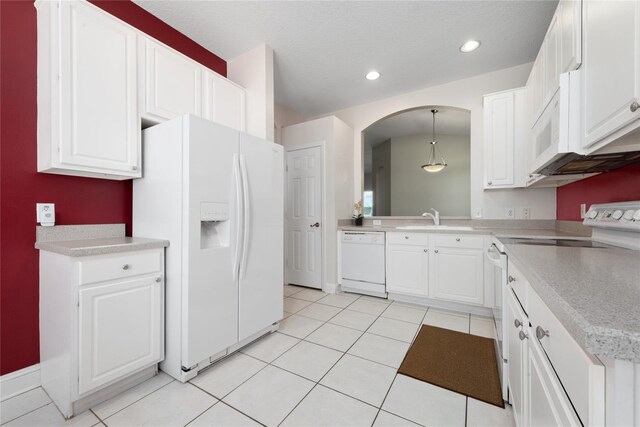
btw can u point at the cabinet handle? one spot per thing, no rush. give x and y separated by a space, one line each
406 237
135 168
158 279
436 251
517 323
125 267
457 239
541 333
426 250
489 183
512 279
522 336
634 106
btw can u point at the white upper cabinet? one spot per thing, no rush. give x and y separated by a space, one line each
535 90
611 70
504 136
172 83
87 93
569 14
223 101
551 79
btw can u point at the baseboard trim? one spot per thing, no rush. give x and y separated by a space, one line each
330 288
446 305
18 382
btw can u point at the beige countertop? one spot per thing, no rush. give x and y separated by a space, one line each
87 247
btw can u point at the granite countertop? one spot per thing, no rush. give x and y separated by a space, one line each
595 293
498 232
100 246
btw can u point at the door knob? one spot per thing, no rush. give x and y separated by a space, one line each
634 106
317 224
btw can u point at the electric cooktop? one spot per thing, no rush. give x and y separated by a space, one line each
573 243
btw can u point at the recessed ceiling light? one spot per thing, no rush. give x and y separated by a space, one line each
469 46
373 75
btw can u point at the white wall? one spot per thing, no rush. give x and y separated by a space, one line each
414 191
283 117
467 94
253 70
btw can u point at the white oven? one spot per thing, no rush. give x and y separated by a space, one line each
498 259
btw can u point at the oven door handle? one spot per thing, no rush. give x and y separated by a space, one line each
495 260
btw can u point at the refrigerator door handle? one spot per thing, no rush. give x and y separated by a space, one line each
246 207
239 209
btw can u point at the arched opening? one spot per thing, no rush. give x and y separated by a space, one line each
397 146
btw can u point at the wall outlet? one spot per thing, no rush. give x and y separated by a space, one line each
477 213
377 222
526 213
510 213
46 214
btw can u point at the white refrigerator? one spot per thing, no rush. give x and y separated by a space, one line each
217 195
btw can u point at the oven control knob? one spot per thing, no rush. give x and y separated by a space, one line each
606 214
628 215
592 214
617 214
636 215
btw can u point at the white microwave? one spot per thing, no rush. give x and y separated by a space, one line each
557 131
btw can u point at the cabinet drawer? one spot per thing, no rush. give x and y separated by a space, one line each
408 238
466 241
581 374
519 285
112 267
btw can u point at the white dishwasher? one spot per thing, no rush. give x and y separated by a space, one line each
362 261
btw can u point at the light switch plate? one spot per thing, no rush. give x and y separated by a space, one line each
377 222
46 214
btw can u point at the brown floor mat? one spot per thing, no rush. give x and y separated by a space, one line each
459 362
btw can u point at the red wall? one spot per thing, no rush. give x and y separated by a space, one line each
78 200
618 186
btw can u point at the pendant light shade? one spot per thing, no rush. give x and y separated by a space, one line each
433 165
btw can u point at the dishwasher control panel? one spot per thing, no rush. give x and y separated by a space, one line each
363 237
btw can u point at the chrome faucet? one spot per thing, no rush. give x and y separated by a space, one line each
435 218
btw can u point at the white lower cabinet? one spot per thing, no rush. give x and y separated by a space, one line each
457 268
408 269
101 322
552 381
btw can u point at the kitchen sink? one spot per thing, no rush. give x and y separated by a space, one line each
434 227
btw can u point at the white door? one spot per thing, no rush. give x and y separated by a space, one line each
173 83
611 69
458 274
99 121
408 269
210 286
304 217
261 268
121 330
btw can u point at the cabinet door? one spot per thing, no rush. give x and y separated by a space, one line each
99 126
517 374
120 330
499 139
547 402
224 102
570 16
173 83
551 62
458 274
611 67
408 269
535 88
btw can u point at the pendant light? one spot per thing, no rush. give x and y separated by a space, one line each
433 165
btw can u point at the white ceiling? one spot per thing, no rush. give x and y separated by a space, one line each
323 49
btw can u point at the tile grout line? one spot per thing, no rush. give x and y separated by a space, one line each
27 413
136 401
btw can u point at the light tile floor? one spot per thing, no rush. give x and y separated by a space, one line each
333 362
